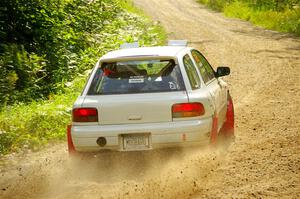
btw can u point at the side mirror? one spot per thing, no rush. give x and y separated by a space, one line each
222 71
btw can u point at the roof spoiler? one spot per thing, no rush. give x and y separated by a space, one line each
130 45
177 43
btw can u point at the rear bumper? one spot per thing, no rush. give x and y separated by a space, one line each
167 134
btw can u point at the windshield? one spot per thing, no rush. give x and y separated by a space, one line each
137 77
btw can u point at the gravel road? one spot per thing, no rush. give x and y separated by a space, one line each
263 162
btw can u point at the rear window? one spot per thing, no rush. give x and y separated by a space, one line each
137 77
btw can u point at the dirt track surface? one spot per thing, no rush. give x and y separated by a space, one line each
263 162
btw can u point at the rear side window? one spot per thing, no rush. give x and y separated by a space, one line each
137 77
191 72
204 67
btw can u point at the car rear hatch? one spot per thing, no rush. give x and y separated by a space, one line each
135 108
136 91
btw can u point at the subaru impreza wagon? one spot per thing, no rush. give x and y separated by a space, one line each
143 98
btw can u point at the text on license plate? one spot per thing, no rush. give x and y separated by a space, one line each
136 141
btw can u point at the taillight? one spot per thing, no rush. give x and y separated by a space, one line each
85 115
187 110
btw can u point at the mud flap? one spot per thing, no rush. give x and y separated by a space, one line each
214 130
71 148
227 129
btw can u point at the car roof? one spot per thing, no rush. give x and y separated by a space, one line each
160 51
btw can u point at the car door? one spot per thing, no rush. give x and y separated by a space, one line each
217 90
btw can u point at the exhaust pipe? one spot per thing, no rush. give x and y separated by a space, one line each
101 141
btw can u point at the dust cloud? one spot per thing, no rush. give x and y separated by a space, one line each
168 173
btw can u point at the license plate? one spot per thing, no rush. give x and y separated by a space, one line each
136 142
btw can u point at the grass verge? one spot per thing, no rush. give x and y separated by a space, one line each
285 20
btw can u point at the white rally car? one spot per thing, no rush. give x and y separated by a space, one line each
141 98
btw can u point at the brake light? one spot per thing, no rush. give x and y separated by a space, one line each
85 115
187 110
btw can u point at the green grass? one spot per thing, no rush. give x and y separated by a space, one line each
32 126
285 20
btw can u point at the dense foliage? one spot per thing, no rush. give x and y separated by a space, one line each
281 15
44 44
46 51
